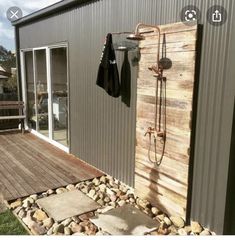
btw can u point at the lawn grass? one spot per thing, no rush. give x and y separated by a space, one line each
9 224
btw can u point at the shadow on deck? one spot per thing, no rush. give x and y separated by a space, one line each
30 165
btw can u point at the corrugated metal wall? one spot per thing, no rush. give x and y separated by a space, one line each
103 128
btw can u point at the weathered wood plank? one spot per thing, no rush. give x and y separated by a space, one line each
152 38
167 167
170 47
162 190
155 176
166 185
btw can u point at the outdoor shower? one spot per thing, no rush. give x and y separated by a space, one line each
159 129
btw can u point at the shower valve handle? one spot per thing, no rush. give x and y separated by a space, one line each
150 131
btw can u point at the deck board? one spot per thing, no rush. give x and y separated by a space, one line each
30 165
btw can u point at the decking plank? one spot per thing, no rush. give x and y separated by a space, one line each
43 166
30 165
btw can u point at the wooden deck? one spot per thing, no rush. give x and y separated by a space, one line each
30 165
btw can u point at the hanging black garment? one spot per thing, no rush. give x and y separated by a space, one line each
108 77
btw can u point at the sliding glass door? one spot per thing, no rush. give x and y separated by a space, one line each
30 90
41 91
59 90
46 92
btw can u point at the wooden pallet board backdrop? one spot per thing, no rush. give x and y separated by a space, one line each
166 186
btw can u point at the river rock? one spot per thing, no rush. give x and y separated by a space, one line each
155 210
26 203
110 192
123 188
58 228
143 203
188 229
17 210
77 228
196 227
121 203
91 193
96 181
86 216
16 204
173 230
177 221
76 219
61 190
182 232
34 197
48 222
85 189
132 200
205 233
66 222
91 229
67 231
101 202
22 213
50 231
113 198
96 197
124 197
36 229
167 221
103 179
102 188
44 194
28 221
107 199
163 229
50 191
161 217
70 187
39 215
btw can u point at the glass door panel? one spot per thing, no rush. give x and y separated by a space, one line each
41 91
30 91
59 89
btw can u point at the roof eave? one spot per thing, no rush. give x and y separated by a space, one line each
57 7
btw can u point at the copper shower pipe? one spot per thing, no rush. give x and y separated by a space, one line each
137 31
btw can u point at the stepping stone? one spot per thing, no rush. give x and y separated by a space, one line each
68 204
125 220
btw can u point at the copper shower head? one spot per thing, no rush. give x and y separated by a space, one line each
135 36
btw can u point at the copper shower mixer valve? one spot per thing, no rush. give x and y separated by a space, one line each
151 131
156 70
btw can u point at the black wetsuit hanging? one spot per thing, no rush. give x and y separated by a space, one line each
108 77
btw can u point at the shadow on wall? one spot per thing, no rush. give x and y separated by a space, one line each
229 224
153 190
130 62
126 80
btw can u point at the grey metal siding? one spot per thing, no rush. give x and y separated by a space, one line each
103 128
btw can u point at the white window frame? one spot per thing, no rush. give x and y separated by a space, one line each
49 90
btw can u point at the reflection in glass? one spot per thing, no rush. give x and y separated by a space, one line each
41 89
59 95
31 113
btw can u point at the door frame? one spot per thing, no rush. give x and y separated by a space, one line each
49 90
